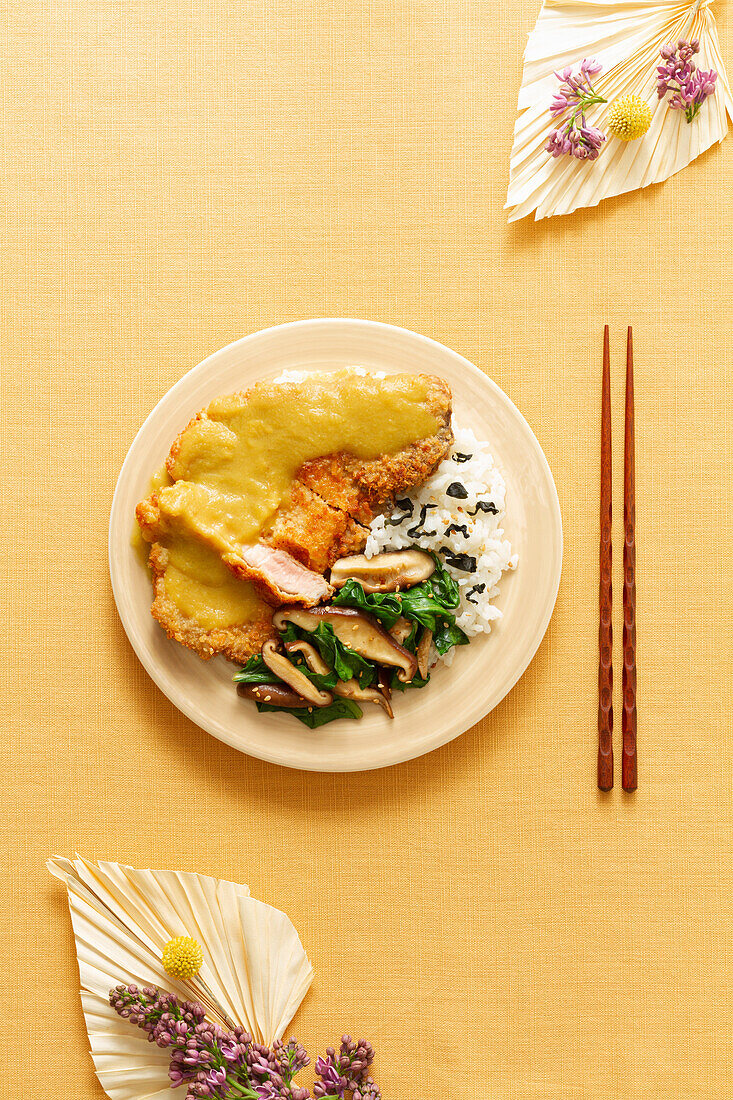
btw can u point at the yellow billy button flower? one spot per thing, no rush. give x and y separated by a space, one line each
182 958
629 117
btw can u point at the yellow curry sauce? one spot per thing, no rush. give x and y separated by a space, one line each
196 579
233 469
203 589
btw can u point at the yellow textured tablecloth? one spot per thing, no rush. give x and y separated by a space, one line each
178 174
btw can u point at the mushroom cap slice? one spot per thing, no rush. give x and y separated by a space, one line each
346 689
388 572
275 695
401 629
356 630
279 664
350 689
311 656
384 679
423 653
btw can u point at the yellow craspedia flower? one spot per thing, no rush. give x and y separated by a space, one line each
629 118
182 957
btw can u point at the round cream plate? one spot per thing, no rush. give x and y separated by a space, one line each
481 674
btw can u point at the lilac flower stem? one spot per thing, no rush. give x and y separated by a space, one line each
573 136
679 74
241 1092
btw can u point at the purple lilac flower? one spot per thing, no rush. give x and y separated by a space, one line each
346 1071
214 1064
367 1090
331 1083
269 1091
266 1091
354 1059
679 74
291 1057
574 136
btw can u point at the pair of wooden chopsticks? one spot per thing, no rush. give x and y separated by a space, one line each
605 631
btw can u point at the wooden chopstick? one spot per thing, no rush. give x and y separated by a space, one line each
605 629
628 715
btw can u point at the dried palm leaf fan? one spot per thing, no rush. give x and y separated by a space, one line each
626 38
255 972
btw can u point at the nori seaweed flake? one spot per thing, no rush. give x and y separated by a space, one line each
459 458
465 562
455 527
407 507
476 588
455 489
415 532
484 506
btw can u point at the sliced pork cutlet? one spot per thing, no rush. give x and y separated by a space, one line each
275 574
238 641
361 487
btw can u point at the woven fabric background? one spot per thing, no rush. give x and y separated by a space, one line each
178 174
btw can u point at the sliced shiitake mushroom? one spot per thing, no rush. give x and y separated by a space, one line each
423 653
275 695
401 629
357 631
311 656
384 679
389 572
350 689
346 689
279 664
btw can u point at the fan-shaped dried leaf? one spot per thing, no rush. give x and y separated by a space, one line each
255 971
626 38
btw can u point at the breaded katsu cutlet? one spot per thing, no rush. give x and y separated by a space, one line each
236 642
323 516
362 487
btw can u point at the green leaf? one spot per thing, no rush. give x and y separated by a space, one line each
290 634
416 682
324 681
422 603
385 606
432 603
420 606
319 716
433 600
447 635
255 672
345 662
444 588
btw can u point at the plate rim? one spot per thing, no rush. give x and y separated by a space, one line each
183 704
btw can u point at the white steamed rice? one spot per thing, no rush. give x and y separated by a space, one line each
301 375
478 553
